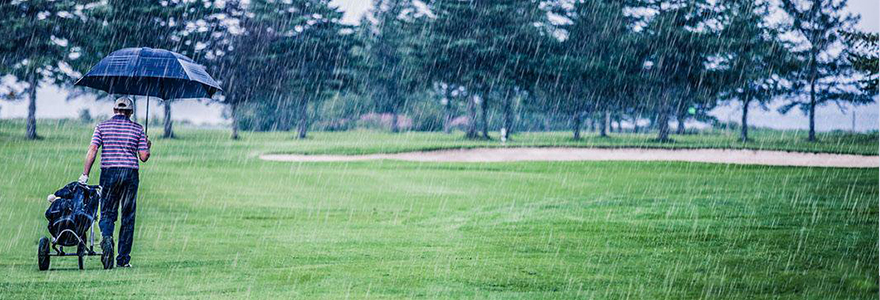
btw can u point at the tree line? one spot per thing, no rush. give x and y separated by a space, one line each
284 63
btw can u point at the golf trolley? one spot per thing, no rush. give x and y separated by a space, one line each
52 246
70 216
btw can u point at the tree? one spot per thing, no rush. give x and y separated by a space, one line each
604 57
35 44
680 43
315 50
389 36
558 95
862 53
485 46
238 57
279 54
755 59
823 73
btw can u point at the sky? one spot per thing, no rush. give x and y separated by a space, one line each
52 103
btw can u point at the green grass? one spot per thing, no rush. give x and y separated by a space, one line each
370 142
214 221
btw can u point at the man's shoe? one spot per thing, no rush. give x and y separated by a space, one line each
107 253
127 265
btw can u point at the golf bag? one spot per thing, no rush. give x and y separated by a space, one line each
73 212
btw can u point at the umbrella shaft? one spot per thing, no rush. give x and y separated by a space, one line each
147 121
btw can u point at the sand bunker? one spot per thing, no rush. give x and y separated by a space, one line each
724 156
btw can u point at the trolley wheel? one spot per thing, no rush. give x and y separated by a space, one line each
43 254
107 253
80 253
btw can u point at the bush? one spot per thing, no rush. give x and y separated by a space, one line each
383 121
425 115
85 116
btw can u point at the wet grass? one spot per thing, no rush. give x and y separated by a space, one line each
214 221
369 142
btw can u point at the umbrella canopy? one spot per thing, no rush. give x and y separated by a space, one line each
150 72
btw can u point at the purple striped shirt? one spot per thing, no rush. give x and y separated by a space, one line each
119 139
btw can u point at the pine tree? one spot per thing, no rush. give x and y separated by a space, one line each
823 71
756 58
863 52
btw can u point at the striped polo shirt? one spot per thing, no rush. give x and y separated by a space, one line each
119 139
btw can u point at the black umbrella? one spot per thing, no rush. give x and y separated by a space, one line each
150 72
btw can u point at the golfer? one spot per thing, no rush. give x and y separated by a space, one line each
122 143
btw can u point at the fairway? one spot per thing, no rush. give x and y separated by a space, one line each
215 221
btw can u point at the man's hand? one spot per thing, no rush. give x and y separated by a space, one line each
145 155
51 198
83 179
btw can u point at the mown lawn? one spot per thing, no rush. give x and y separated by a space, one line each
369 142
215 221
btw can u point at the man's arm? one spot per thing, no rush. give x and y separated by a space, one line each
144 146
90 159
97 141
144 155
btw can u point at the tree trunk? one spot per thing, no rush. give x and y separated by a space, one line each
507 127
472 118
744 130
169 133
680 117
606 122
663 126
233 111
812 135
395 128
663 119
447 120
611 126
303 124
484 110
576 126
31 127
813 73
635 120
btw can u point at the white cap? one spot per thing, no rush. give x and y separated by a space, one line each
123 103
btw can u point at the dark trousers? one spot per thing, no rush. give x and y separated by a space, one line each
120 187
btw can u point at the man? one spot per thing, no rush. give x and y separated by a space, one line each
122 143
